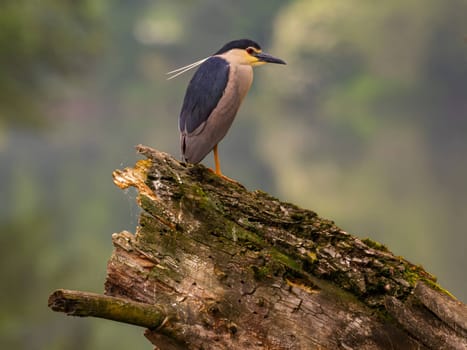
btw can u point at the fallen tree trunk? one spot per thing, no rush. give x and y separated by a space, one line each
220 267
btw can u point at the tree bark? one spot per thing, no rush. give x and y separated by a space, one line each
233 269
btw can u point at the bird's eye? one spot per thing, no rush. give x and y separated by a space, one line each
250 50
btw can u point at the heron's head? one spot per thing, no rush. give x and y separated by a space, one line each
246 52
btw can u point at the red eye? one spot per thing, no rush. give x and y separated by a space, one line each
250 51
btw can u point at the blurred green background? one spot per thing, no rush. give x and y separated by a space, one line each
367 125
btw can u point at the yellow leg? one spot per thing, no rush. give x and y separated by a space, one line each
218 167
216 160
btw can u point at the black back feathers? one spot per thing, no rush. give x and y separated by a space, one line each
203 93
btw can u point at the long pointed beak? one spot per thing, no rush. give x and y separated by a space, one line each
264 57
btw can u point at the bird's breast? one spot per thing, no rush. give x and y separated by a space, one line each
238 84
242 77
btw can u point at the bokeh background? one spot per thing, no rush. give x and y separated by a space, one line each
367 125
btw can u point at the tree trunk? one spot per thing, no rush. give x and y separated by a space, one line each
232 269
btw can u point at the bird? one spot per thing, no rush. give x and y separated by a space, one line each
214 95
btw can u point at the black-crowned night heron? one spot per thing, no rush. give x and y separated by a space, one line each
214 95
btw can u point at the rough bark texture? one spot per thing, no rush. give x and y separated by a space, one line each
234 269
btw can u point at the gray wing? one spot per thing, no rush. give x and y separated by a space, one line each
203 120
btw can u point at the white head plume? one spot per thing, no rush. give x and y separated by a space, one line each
176 72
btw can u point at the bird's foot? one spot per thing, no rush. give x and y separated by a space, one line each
225 177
